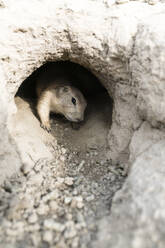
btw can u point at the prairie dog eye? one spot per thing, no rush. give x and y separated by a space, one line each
73 100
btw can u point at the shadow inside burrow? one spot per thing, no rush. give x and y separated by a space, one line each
94 129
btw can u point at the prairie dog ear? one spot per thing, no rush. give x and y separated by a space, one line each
65 89
61 90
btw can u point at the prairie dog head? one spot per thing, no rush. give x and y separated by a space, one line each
70 102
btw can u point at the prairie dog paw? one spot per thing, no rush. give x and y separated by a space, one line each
46 127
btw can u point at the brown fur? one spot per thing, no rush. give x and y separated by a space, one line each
57 96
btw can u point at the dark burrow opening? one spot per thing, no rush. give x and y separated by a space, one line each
78 75
99 103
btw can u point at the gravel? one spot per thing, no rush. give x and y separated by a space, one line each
59 203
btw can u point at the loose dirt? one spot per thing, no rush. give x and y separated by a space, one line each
58 202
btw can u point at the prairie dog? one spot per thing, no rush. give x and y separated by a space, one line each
58 96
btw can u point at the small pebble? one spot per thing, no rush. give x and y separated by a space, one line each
26 168
60 179
50 196
77 202
33 218
90 198
67 200
32 228
75 192
53 205
48 236
19 226
75 242
69 216
42 209
62 158
70 231
69 181
63 150
53 225
80 205
36 239
81 165
11 232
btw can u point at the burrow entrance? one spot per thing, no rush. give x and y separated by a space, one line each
92 133
66 184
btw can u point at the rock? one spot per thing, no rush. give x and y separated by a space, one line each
10 160
7 224
75 242
48 236
63 150
32 228
90 198
75 192
19 226
143 139
32 218
26 168
7 186
70 231
77 201
67 200
69 216
11 232
53 225
42 209
151 94
79 198
68 181
60 180
80 204
61 212
61 244
51 196
53 206
143 195
36 239
62 158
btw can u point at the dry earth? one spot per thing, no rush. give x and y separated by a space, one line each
59 203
